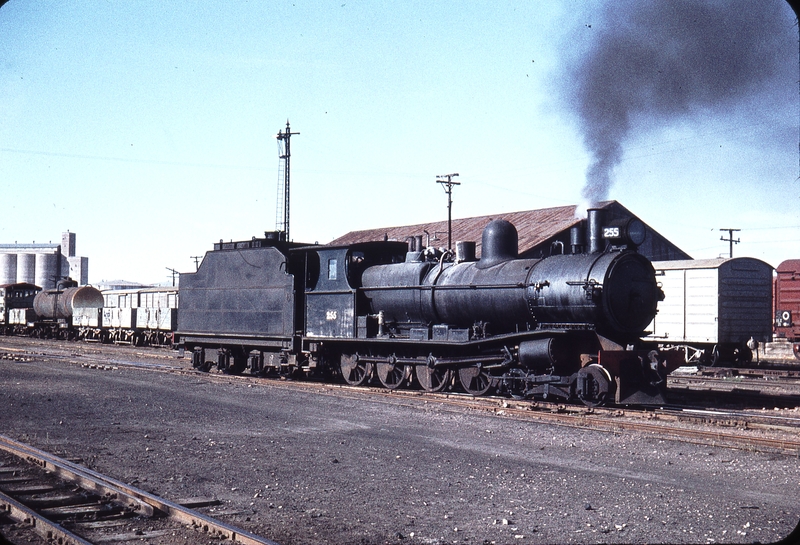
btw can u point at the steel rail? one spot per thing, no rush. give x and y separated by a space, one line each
49 530
143 502
578 417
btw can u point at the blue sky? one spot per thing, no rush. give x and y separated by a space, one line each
148 128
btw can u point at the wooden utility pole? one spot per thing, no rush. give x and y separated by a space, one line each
447 184
730 239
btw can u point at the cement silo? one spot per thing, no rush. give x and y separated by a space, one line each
47 271
26 268
8 268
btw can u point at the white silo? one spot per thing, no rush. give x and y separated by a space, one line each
8 268
47 271
26 268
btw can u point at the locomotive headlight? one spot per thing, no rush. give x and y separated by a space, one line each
631 231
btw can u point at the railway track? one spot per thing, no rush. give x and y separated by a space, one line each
690 422
47 499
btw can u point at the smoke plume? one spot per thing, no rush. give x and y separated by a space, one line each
652 62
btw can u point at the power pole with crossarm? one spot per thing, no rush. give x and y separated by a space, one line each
730 239
447 184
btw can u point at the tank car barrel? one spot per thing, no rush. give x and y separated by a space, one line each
59 304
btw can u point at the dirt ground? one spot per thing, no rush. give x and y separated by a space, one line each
318 467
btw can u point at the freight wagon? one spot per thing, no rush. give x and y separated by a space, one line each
715 310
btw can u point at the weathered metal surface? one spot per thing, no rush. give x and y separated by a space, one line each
60 304
245 291
616 291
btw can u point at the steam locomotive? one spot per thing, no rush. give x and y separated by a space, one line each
563 327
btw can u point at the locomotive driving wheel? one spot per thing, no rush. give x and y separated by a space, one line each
354 370
595 386
432 379
391 373
475 380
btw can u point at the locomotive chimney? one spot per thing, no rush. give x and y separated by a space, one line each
577 238
595 228
499 243
465 251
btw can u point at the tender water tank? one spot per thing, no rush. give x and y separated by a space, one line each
47 271
26 268
8 268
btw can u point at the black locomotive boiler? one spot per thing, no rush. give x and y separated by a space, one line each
561 327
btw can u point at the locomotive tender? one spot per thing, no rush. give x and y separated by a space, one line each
562 327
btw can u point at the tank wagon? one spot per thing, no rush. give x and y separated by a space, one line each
56 313
787 303
563 327
715 310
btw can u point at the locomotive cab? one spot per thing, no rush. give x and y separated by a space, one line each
333 278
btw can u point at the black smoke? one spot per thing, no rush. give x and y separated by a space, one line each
652 62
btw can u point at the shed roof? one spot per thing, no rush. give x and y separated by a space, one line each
533 226
538 230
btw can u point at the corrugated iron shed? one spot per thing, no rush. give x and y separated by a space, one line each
538 231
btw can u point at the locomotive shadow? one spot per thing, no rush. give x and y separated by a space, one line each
736 398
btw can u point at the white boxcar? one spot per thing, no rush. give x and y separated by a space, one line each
715 309
87 317
116 317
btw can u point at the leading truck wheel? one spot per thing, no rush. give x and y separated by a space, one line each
594 386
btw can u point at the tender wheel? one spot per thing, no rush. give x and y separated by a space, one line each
595 386
432 379
475 380
199 361
392 374
354 371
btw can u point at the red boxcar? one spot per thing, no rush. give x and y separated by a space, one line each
787 303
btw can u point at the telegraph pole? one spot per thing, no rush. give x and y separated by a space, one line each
730 239
285 154
447 184
197 259
174 274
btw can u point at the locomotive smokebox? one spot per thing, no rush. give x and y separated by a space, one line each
498 244
595 221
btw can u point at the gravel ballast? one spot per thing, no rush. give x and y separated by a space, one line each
317 466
